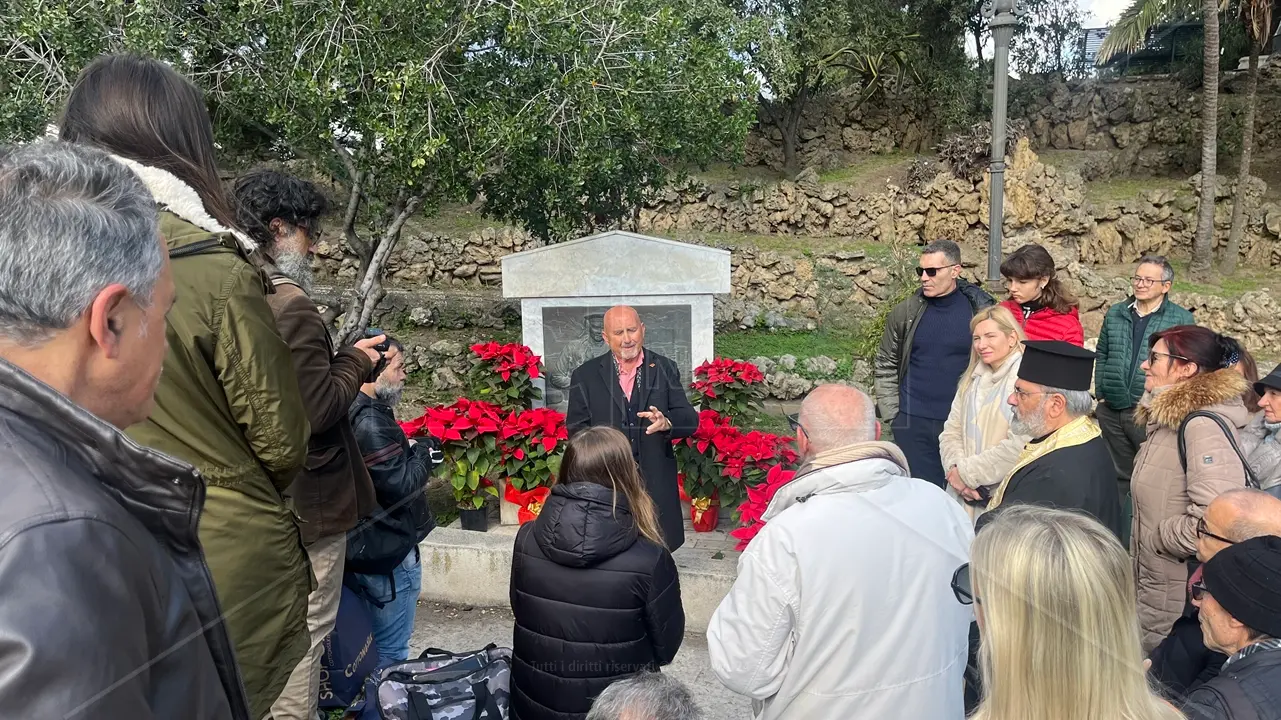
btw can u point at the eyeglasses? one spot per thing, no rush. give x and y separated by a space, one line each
1153 355
1145 282
931 272
1203 529
1197 590
794 422
1023 393
961 587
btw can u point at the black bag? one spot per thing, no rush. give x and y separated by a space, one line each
1251 480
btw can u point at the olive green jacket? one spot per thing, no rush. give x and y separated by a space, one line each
228 403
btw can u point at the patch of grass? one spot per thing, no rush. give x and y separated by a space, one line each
786 244
724 173
750 343
866 166
455 221
1227 287
1105 192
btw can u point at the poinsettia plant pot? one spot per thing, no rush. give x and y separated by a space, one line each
704 514
474 519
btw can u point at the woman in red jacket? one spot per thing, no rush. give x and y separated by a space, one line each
1045 309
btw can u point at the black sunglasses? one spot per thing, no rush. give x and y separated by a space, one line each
1203 529
931 272
961 586
1197 590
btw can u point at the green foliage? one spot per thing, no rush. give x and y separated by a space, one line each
748 344
1046 40
868 338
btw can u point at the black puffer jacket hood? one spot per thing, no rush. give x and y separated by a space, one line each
594 601
583 523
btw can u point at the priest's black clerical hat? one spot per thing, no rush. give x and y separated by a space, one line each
1057 364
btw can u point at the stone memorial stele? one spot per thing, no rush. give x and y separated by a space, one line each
565 289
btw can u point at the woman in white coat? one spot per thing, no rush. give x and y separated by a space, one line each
976 446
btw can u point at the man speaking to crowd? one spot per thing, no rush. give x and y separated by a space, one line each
638 391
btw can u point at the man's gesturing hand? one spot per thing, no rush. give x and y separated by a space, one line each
658 422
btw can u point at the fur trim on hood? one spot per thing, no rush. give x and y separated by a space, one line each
1172 404
181 199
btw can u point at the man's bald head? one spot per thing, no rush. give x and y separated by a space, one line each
1248 513
624 332
833 416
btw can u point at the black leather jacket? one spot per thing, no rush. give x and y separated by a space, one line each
108 608
400 472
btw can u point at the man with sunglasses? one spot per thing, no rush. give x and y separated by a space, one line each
1182 662
1118 379
923 353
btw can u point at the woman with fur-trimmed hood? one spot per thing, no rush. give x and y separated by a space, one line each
1188 369
228 401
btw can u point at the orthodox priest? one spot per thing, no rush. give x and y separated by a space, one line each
640 392
1066 464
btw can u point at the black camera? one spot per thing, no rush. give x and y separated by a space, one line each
383 346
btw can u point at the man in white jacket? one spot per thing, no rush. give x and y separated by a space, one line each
843 606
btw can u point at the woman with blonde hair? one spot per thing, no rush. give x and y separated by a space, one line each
594 591
1053 593
976 446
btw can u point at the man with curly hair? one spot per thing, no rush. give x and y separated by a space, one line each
334 490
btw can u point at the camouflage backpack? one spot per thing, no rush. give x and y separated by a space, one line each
441 685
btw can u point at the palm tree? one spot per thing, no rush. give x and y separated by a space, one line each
1257 15
1203 242
1128 34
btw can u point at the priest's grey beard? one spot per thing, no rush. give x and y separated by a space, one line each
387 393
1031 424
297 267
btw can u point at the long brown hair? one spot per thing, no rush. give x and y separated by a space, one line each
1033 261
143 110
602 455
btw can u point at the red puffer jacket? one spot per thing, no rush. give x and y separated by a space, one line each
1049 324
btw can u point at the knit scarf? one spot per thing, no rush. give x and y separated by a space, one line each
1077 432
852 453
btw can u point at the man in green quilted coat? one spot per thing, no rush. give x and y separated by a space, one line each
1123 345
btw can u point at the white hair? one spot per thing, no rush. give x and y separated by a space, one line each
647 696
1078 402
72 222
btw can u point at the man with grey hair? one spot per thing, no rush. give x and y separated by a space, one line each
1066 463
924 351
1124 340
109 609
647 696
842 607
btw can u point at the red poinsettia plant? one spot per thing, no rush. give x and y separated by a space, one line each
758 499
719 460
730 387
532 442
504 374
468 434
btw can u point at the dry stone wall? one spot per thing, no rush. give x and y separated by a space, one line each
1126 126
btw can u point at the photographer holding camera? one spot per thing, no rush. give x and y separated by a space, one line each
382 553
334 491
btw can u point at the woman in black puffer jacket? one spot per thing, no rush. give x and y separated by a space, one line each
594 592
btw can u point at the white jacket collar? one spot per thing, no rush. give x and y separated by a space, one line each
181 199
855 476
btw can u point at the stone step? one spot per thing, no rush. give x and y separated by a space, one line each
462 567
